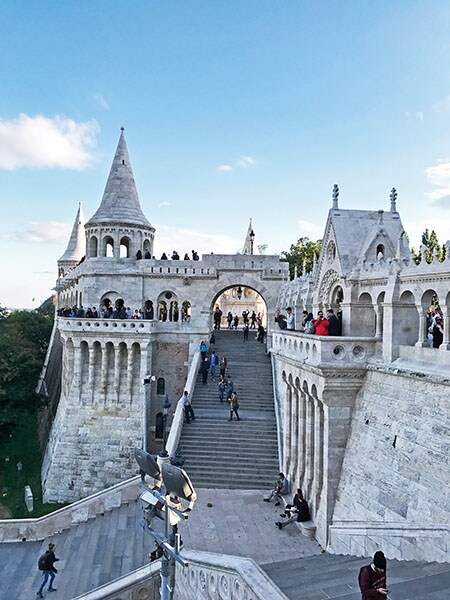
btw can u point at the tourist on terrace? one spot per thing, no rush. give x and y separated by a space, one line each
281 488
321 324
280 319
290 319
334 324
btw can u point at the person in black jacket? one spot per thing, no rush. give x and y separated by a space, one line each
297 511
334 324
49 570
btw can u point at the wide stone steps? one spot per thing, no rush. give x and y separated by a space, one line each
335 576
234 454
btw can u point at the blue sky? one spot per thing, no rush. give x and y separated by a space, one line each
232 110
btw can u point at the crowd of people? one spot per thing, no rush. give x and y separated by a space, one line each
175 255
106 312
435 328
321 325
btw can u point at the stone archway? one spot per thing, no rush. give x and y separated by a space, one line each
243 301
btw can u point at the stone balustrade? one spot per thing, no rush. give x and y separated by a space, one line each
328 351
222 577
422 542
125 326
142 584
14 530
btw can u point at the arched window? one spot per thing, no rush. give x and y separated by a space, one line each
380 251
161 386
148 310
186 311
125 247
108 246
159 426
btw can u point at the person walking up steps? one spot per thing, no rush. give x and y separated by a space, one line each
46 565
213 362
234 406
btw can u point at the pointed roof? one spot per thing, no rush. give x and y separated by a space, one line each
120 202
76 248
247 249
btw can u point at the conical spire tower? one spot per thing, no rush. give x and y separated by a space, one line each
119 228
249 246
76 248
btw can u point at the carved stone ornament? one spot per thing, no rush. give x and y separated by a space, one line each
328 280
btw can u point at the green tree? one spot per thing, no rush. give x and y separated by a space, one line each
24 338
302 252
431 243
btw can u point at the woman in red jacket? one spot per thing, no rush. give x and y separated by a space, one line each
321 324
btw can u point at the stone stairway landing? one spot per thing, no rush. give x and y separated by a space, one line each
244 454
336 577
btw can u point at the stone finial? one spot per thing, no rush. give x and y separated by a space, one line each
447 250
335 195
295 272
304 269
314 267
435 255
423 254
393 198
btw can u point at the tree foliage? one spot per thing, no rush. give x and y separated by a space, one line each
431 243
24 338
302 252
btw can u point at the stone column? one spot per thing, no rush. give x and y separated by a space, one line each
294 438
318 453
309 470
129 370
378 320
302 440
422 342
91 366
446 341
116 370
104 370
287 430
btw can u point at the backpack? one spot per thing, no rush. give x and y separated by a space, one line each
361 571
42 562
309 327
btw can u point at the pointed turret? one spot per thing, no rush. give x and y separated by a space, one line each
120 202
76 248
249 246
119 227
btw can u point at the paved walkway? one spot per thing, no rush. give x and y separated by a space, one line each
239 523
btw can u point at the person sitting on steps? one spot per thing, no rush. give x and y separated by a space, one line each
297 511
281 489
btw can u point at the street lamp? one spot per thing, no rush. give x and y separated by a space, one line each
239 292
166 406
148 379
19 471
252 239
169 504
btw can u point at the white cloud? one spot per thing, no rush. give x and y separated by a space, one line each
311 229
101 102
224 168
439 175
40 232
442 106
246 161
184 240
414 115
164 204
41 142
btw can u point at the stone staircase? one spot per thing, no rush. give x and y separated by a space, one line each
334 576
244 454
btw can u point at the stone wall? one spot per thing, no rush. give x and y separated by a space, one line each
395 472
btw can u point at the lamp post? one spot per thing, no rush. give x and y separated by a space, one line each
239 292
252 239
19 471
166 406
148 380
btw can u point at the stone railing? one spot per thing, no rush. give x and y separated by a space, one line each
173 438
142 584
424 542
14 530
327 351
221 577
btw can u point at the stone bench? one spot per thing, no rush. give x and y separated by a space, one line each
308 529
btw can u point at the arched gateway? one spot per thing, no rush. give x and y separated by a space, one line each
168 304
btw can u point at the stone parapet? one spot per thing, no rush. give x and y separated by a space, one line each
324 351
142 584
222 577
14 530
397 540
